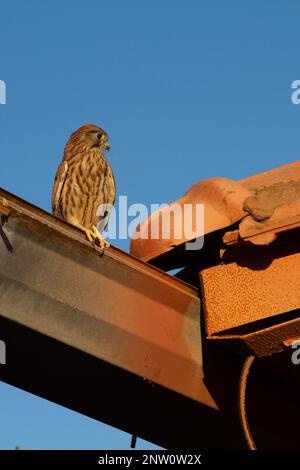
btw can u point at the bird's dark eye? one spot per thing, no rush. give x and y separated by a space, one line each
99 136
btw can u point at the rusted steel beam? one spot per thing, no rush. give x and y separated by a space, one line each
110 336
253 297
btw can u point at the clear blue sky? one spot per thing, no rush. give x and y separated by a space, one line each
187 89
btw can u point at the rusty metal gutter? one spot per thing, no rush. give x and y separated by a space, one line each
110 337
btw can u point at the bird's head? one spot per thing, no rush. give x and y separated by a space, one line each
88 137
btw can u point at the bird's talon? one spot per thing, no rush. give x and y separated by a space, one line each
96 239
90 235
103 244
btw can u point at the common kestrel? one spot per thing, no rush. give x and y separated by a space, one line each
84 183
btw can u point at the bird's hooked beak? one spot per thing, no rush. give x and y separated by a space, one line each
105 143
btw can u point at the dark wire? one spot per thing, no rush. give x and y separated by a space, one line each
133 442
242 402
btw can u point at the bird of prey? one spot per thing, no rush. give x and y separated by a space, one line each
84 183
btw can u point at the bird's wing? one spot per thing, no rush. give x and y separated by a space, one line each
115 187
59 181
111 198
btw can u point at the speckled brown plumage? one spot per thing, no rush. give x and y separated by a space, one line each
84 181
